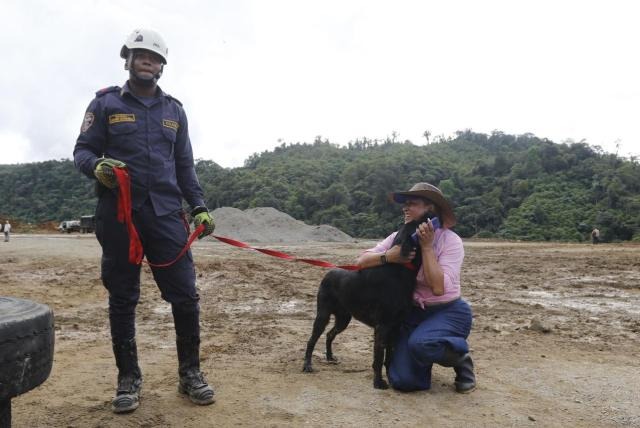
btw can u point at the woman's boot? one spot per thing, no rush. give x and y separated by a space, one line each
463 366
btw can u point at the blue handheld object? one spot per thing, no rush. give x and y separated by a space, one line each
435 222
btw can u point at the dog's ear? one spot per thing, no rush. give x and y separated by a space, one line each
425 218
399 235
405 240
407 247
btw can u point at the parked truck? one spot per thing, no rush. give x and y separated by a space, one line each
68 226
86 224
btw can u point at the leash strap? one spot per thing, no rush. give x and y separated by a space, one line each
136 252
124 214
285 256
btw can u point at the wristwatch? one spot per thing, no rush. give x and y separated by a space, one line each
383 258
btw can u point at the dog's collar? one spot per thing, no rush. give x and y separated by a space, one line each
409 266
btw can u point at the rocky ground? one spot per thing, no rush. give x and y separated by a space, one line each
555 340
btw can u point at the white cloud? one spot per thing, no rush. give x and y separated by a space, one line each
252 72
15 147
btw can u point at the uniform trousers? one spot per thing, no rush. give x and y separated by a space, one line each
162 237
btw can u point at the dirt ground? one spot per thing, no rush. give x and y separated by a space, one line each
257 313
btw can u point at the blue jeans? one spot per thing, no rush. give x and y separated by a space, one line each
422 340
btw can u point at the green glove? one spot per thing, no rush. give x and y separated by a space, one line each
104 171
201 216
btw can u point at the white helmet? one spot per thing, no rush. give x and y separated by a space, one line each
143 38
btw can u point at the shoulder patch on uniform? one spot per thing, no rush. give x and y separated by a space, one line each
167 123
174 99
121 117
87 121
106 90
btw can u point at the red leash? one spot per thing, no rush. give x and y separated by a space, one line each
285 256
124 215
136 253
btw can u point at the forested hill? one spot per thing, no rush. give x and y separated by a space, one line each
515 187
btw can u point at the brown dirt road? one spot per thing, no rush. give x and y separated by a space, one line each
257 313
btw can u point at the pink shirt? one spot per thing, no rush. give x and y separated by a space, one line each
449 254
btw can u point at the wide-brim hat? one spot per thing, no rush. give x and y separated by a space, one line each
432 193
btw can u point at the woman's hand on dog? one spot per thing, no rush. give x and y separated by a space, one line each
394 255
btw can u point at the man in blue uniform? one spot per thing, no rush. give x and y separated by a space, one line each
145 130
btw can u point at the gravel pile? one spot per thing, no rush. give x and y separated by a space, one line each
270 225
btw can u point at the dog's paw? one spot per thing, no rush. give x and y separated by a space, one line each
380 384
332 360
307 368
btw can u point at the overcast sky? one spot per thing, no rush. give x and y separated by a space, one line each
250 73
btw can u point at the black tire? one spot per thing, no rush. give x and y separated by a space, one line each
26 345
5 413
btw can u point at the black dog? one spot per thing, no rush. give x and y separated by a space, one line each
380 297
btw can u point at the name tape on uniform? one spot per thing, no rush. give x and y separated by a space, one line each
121 117
170 124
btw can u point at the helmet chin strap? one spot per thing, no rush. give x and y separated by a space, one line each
137 78
143 80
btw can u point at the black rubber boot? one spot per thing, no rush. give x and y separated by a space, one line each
129 377
5 413
192 380
463 366
451 358
465 378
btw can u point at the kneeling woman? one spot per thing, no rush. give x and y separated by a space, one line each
436 331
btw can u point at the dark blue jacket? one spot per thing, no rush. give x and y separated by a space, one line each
152 139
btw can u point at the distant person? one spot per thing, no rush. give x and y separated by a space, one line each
7 231
595 236
143 128
436 330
